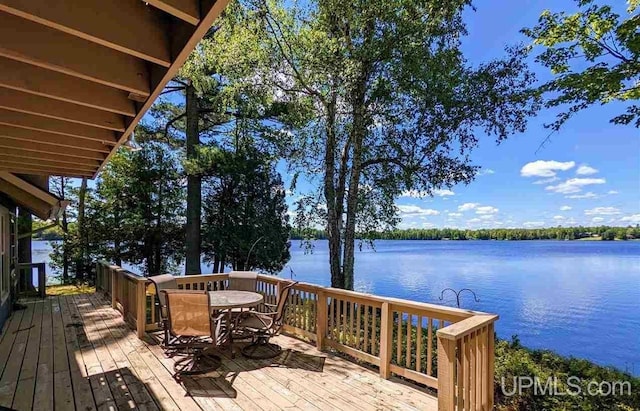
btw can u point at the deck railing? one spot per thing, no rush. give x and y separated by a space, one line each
450 350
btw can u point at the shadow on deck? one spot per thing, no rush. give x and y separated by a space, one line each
75 352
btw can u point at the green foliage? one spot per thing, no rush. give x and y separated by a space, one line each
140 207
594 54
390 103
513 360
245 221
554 233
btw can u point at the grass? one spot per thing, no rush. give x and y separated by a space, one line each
70 289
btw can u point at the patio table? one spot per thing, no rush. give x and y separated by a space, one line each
227 300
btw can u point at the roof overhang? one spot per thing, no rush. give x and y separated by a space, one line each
39 202
76 76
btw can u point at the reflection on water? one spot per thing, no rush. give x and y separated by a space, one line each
576 298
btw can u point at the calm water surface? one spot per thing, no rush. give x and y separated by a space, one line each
576 298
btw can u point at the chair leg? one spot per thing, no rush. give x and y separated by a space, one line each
196 361
261 349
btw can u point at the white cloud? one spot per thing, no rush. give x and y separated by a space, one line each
474 220
530 224
597 219
633 219
585 195
585 170
565 208
443 193
486 210
558 217
413 210
422 194
612 192
486 171
487 217
467 206
455 215
602 211
547 180
542 168
574 185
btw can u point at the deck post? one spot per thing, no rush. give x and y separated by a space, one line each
321 319
386 340
446 374
141 307
114 287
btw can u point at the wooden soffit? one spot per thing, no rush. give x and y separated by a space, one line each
76 76
38 201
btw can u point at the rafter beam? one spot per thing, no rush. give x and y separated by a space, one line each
22 134
67 172
140 31
16 154
46 107
49 48
49 149
186 10
31 122
36 80
10 162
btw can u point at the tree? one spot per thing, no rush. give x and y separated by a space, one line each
393 105
149 210
245 214
594 55
61 186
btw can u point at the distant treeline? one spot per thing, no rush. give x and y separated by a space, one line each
557 233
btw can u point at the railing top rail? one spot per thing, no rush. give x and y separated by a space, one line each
396 303
465 327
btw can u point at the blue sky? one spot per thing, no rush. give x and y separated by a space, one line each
588 174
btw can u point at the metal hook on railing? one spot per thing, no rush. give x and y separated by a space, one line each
457 293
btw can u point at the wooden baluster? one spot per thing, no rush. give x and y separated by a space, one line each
419 345
358 327
408 354
375 343
430 346
472 372
350 308
399 339
332 316
480 370
341 316
367 346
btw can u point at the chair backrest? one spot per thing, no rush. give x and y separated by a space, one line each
188 313
243 280
283 299
163 282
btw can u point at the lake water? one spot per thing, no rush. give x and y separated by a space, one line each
576 298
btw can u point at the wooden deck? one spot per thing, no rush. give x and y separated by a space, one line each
76 353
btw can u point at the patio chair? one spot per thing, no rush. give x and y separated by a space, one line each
264 325
243 280
195 331
163 282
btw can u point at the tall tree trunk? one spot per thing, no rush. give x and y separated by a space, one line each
334 207
358 132
82 234
194 194
65 228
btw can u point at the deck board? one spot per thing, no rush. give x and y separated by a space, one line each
76 353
